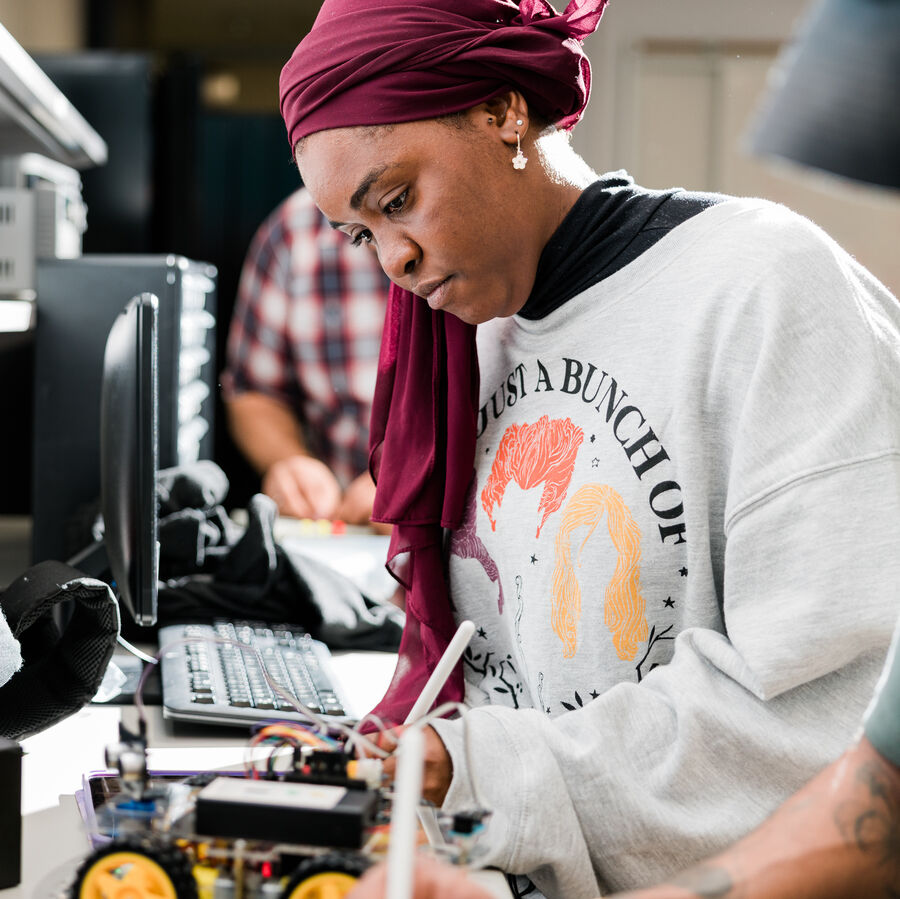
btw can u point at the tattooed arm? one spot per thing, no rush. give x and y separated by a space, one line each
837 838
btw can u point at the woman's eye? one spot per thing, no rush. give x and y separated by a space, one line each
363 237
396 204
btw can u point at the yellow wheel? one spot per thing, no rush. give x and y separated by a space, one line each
328 885
134 869
329 876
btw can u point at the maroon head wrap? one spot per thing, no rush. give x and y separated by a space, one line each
378 62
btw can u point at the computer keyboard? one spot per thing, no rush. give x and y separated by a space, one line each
208 675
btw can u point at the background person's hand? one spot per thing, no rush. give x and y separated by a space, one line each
356 506
438 768
303 487
432 880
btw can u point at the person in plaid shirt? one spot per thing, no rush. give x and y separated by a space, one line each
302 356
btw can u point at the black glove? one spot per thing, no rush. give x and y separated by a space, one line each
61 671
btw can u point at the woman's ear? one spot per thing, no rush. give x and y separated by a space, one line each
509 113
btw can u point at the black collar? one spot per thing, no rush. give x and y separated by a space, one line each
610 225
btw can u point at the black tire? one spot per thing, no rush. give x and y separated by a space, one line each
343 864
166 862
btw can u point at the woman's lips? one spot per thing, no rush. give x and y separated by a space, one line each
436 296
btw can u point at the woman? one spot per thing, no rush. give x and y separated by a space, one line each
668 468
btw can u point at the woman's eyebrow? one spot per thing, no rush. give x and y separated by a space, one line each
368 181
365 185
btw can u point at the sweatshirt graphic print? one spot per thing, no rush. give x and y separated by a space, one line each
576 517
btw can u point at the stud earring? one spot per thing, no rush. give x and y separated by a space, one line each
520 160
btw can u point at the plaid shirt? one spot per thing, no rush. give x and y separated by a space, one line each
306 330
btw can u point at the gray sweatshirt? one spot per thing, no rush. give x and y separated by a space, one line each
682 552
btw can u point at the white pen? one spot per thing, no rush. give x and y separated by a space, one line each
407 791
426 699
441 672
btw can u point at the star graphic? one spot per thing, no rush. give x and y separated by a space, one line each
595 463
669 603
682 572
482 633
533 560
594 694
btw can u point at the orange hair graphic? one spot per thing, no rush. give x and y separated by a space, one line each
542 453
623 607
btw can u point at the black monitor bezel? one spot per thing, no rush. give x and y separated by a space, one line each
129 456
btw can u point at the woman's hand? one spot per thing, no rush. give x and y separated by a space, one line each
438 769
432 880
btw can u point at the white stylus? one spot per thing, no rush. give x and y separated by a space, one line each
441 672
426 700
407 791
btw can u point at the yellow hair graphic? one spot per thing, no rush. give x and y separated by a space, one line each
623 608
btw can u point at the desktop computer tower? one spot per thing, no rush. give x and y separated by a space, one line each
10 813
77 302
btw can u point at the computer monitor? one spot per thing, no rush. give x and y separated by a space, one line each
129 456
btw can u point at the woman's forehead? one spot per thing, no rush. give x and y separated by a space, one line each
355 138
328 160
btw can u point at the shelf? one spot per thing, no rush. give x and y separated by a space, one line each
36 117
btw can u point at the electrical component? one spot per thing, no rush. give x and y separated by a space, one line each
321 766
468 823
462 831
287 812
129 756
368 770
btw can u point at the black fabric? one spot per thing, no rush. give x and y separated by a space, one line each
212 570
610 225
197 485
195 531
251 580
61 672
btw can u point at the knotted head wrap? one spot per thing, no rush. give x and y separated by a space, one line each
379 62
370 62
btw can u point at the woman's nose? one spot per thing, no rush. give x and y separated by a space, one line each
399 257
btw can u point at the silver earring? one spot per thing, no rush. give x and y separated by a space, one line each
520 160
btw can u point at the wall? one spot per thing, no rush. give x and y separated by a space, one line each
675 88
44 25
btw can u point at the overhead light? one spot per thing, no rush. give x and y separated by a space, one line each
834 98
